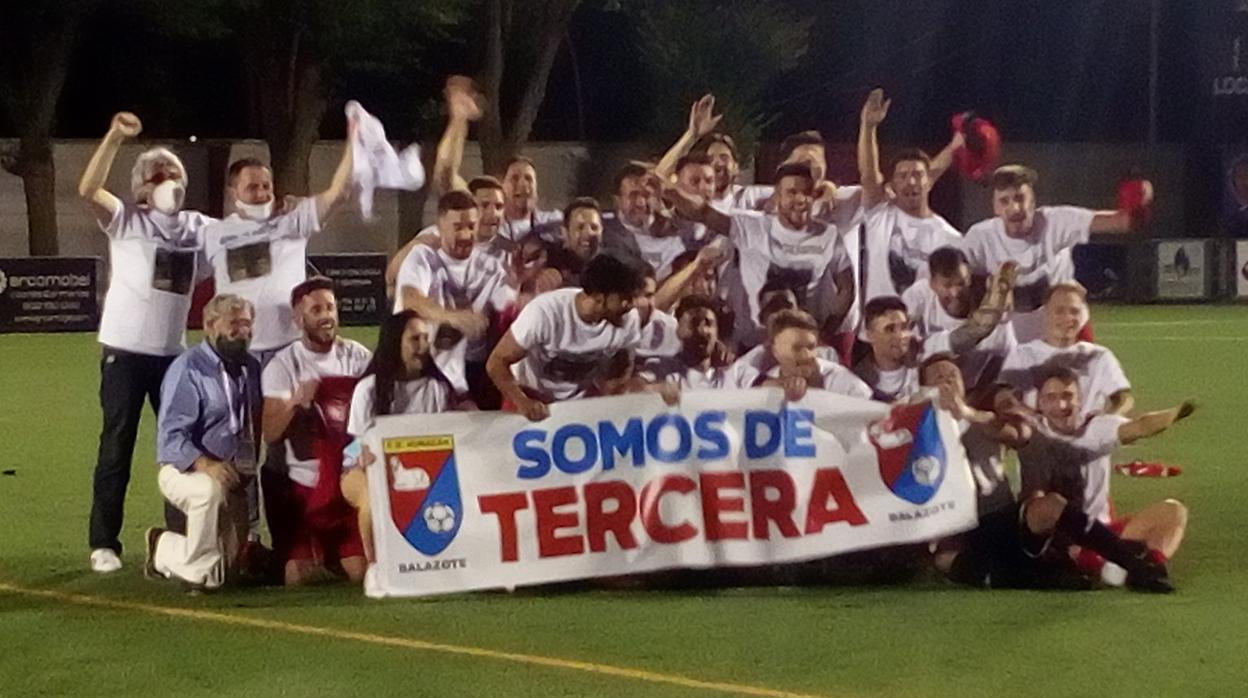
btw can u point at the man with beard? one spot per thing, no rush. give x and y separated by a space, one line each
891 369
658 328
901 230
1103 385
638 233
1069 454
1038 239
788 248
562 339
944 319
461 288
703 360
581 240
307 390
792 361
206 448
260 254
154 250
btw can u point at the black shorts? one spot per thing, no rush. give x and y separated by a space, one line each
1001 554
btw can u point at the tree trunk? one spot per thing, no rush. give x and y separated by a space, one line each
38 173
490 133
288 96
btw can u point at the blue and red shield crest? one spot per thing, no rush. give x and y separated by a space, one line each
910 451
424 490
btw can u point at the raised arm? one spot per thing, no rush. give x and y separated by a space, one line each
841 303
702 120
339 186
470 322
944 159
674 286
103 204
1154 423
693 207
461 109
1122 221
873 113
1121 402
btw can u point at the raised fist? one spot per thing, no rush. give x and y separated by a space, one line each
126 124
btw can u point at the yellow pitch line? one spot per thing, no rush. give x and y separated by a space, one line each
408 643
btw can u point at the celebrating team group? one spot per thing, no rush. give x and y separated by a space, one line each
691 282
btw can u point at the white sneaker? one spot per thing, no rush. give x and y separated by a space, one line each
104 560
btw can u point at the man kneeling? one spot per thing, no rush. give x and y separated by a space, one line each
209 416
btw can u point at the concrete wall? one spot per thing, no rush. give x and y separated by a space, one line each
1081 174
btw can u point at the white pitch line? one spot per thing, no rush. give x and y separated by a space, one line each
1164 323
1167 338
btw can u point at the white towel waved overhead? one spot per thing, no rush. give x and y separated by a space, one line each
375 164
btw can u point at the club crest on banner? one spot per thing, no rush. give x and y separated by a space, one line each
423 488
910 452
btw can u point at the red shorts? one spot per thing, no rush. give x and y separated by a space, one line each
331 534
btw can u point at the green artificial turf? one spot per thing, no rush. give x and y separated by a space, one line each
926 639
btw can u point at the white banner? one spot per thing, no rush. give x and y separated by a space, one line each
623 485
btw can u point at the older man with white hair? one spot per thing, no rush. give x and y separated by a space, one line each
207 448
154 249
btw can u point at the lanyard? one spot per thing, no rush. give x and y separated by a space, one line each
238 414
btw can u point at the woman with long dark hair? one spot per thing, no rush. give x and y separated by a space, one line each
400 379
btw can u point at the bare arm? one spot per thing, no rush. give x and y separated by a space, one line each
674 287
498 367
944 159
873 113
470 322
396 262
1120 402
841 303
461 109
1154 423
103 204
695 208
338 188
279 411
1110 222
702 120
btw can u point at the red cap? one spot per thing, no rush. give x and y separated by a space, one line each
979 157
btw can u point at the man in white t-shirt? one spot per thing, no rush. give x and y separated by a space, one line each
260 255
792 361
1038 239
1104 386
307 395
1069 453
891 369
521 215
790 247
563 340
703 360
658 329
155 249
461 288
900 228
944 320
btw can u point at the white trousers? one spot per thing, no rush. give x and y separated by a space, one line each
216 525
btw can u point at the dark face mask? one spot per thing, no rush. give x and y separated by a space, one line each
232 350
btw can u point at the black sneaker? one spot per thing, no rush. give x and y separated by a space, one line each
149 562
1153 578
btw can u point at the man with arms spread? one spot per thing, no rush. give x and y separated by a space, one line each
261 256
1038 239
1069 454
307 391
1103 385
563 339
154 248
206 448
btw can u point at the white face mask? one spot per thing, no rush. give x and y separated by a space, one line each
168 196
255 212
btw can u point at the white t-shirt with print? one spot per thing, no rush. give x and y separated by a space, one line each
658 336
155 261
835 378
263 261
1043 257
743 197
1074 465
297 364
749 368
520 228
1100 374
895 241
420 396
563 352
935 326
672 369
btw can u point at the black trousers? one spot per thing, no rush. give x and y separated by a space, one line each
126 380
